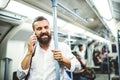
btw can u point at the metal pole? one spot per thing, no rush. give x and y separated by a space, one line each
118 49
6 68
108 66
55 33
72 12
69 36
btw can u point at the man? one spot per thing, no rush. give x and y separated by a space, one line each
104 59
43 61
81 56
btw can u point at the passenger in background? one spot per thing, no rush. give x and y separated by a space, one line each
80 55
101 59
103 54
104 59
96 58
42 66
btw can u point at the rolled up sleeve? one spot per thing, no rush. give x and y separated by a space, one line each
66 51
21 73
75 65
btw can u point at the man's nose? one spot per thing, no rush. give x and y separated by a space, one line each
43 30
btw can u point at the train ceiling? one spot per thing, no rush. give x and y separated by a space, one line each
83 9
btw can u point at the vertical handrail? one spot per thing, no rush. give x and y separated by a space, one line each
69 37
55 33
6 71
118 49
108 67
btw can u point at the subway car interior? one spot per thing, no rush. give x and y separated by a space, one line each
93 23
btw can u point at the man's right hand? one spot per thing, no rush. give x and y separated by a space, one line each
31 43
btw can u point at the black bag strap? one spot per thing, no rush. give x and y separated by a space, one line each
26 77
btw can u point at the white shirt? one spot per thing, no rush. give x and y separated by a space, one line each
104 55
43 64
82 56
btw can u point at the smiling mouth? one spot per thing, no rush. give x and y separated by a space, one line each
44 36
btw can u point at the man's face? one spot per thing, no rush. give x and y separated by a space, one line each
103 50
42 31
81 48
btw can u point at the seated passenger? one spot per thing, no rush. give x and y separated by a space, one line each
104 59
100 59
96 58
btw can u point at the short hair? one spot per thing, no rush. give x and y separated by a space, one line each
39 18
80 45
104 47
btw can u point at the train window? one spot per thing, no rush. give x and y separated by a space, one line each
114 48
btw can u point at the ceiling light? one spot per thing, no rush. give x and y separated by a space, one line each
90 19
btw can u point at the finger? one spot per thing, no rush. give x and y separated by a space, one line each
33 37
57 54
32 41
55 50
59 58
34 33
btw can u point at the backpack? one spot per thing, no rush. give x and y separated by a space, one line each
89 73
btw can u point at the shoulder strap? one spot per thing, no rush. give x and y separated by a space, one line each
26 77
33 52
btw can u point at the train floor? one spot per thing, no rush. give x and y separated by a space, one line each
101 77
106 77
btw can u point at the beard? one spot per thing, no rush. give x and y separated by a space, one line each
46 40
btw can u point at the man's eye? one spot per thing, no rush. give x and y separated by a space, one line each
46 27
39 28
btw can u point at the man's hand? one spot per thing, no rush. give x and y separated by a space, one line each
57 55
31 43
